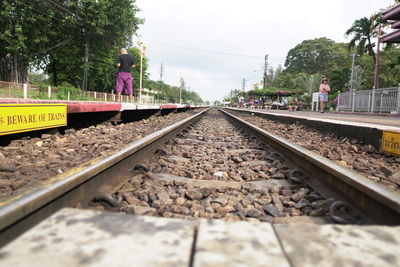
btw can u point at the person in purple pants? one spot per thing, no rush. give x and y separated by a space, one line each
124 76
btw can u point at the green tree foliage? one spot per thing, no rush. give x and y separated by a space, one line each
308 82
52 35
319 55
362 32
171 93
338 79
135 52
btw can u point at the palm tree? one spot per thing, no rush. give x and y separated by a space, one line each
308 82
363 31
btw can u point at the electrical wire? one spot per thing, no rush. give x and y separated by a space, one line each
204 50
46 14
54 47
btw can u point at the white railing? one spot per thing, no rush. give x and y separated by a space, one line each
29 91
378 100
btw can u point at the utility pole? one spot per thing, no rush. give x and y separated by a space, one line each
181 88
352 72
243 84
265 72
86 61
161 76
376 72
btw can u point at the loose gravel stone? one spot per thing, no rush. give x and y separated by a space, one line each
352 154
34 160
214 170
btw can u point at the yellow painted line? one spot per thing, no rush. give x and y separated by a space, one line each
17 118
391 142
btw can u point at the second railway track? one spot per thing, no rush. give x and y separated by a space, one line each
211 165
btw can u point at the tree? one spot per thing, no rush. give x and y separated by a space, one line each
362 31
308 82
51 35
338 79
319 55
356 81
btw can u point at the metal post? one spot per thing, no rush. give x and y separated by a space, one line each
373 101
95 95
25 91
352 73
69 96
86 62
265 72
49 91
338 102
105 97
369 102
161 76
376 73
398 100
353 101
140 78
180 91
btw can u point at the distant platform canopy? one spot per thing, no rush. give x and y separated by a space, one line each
392 14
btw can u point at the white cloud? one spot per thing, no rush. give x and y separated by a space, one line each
252 27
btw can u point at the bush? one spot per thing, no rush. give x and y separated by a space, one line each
75 93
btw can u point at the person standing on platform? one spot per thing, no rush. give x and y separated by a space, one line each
124 76
323 93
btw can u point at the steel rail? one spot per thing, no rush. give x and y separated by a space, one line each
377 201
20 213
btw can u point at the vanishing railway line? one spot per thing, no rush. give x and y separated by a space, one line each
211 165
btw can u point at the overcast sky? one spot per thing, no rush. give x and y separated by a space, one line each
214 44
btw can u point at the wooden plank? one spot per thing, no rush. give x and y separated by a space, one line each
340 245
74 237
221 243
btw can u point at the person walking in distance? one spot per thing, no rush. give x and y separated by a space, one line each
323 93
124 76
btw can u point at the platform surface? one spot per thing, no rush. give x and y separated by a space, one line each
73 237
374 120
74 106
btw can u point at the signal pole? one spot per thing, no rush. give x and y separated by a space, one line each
265 71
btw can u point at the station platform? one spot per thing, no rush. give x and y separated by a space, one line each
73 237
369 128
98 106
379 120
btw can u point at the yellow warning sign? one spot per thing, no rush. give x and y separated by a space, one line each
16 118
391 142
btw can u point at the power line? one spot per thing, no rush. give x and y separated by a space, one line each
204 50
44 13
54 47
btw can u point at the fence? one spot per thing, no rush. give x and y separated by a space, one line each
29 91
378 100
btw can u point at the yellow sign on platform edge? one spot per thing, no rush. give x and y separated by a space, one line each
17 118
391 142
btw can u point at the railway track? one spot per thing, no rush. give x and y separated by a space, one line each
213 167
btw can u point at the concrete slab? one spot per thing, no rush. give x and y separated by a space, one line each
225 244
73 237
340 245
148 106
128 106
355 119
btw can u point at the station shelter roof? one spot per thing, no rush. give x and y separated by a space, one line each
392 14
